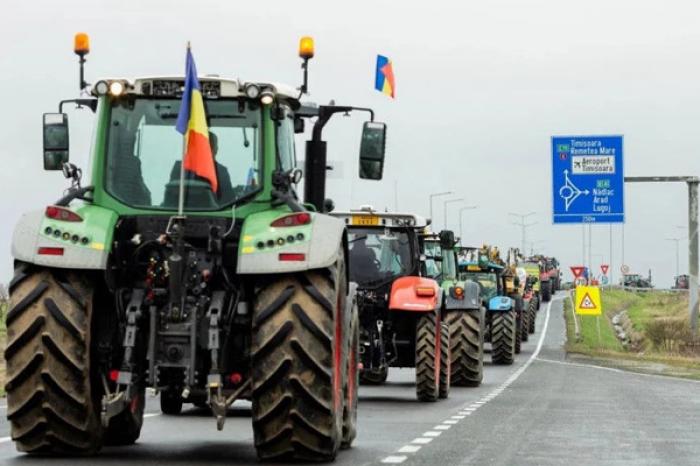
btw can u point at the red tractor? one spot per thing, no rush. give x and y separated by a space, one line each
400 309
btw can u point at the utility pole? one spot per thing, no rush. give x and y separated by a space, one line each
523 225
446 193
450 201
676 240
461 211
692 182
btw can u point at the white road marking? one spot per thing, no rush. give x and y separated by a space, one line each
151 414
468 410
394 459
5 439
422 440
616 370
409 448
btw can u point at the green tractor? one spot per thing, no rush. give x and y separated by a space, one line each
463 307
145 278
484 267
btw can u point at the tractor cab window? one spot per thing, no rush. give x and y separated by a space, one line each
432 268
488 283
378 255
285 141
144 154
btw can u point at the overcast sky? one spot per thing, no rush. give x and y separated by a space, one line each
481 88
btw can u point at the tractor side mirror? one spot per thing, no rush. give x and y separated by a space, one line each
447 239
55 140
372 150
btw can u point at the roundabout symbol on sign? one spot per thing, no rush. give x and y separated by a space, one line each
569 192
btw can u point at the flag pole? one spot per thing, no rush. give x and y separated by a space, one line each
181 198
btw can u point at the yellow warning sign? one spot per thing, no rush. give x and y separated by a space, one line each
588 301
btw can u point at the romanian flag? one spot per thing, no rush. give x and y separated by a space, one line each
192 124
384 78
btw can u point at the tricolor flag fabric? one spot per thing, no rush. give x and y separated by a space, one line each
384 78
192 124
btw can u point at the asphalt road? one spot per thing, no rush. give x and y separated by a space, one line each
541 410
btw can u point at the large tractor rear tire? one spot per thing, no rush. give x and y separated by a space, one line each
466 348
546 292
503 335
374 376
532 309
518 332
352 382
298 354
428 356
445 362
52 406
525 318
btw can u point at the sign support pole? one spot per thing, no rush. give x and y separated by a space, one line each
692 182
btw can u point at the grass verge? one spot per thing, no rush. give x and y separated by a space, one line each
652 318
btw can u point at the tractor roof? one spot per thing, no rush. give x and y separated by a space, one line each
367 217
212 86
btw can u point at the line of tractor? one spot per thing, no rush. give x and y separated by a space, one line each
151 275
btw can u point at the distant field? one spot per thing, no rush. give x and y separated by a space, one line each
657 328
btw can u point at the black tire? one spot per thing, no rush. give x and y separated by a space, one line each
445 362
427 357
532 310
525 325
297 368
51 403
171 402
466 348
503 333
125 428
518 332
374 376
352 381
546 292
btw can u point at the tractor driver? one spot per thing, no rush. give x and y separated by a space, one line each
225 193
364 261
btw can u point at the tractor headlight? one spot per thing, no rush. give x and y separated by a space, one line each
101 88
116 88
267 97
252 91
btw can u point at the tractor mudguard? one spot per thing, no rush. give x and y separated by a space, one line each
267 249
470 299
84 244
501 304
414 294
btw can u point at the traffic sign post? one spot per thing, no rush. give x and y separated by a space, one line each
587 179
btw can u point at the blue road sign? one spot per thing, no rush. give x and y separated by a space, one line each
587 179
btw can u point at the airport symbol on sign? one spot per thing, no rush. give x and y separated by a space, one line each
587 303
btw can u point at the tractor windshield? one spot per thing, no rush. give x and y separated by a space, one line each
378 255
144 153
488 282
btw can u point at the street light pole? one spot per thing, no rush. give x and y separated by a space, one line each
450 201
446 193
523 225
461 211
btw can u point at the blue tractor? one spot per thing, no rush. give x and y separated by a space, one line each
484 266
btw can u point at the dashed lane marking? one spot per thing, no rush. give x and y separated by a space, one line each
422 440
394 459
5 439
465 411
